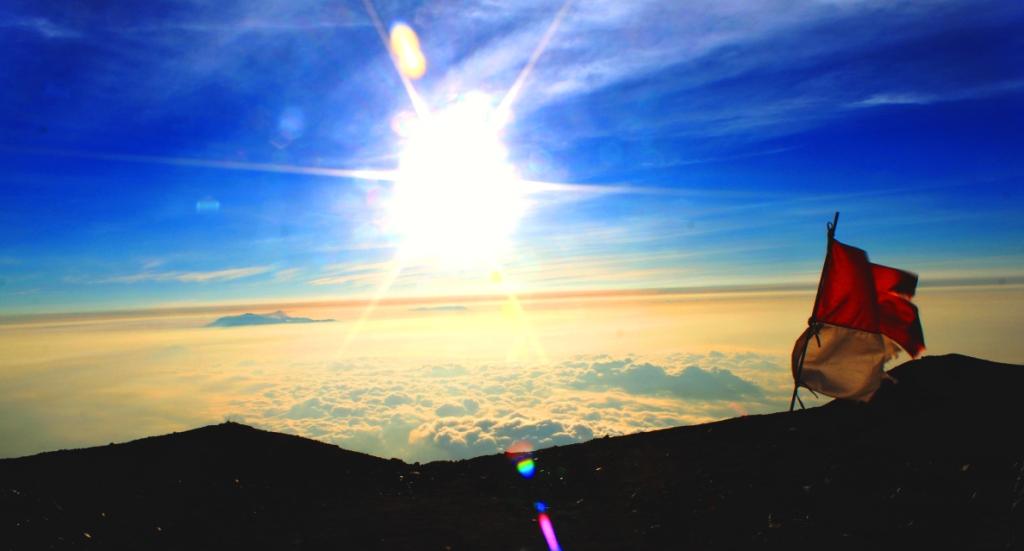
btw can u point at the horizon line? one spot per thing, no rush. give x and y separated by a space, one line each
15 318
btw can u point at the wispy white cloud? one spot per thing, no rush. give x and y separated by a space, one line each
894 99
604 43
441 308
352 273
42 26
252 25
925 98
228 274
19 292
353 279
288 274
153 263
699 51
704 68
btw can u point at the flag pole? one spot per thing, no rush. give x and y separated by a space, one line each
811 321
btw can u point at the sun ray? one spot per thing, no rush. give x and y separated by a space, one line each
461 145
539 186
389 279
418 104
514 307
370 174
357 173
505 107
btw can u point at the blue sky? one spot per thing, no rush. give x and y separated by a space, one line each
726 135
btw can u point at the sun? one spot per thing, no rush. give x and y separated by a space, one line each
456 198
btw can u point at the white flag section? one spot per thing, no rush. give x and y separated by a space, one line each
842 362
862 316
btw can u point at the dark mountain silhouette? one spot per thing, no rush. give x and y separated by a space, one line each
934 462
260 319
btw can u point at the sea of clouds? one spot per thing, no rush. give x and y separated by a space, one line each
453 410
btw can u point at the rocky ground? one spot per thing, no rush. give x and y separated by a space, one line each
934 462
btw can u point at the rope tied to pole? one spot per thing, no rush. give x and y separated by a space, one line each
811 321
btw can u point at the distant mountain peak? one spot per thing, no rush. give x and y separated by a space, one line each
272 318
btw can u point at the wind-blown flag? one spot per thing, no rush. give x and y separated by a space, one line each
862 312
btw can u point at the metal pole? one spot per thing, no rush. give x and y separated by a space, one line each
811 321
799 370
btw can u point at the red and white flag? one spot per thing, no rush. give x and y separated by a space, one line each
862 312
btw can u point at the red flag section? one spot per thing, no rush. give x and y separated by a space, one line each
861 314
897 316
856 294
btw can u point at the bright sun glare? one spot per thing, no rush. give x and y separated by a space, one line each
456 198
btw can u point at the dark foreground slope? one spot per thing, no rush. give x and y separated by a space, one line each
933 463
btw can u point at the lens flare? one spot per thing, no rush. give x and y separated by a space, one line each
405 46
207 205
549 532
526 467
403 123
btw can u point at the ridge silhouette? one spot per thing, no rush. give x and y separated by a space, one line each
935 461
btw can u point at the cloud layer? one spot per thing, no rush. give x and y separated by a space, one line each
435 385
462 410
645 378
